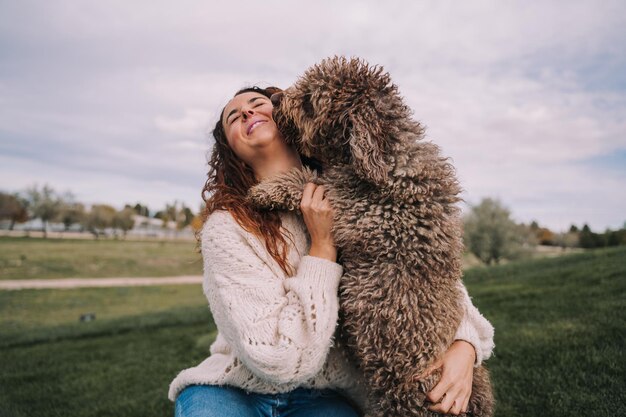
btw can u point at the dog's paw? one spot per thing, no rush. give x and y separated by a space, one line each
282 191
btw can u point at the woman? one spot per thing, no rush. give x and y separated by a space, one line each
271 280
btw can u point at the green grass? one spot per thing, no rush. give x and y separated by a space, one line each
121 364
34 258
30 315
560 333
119 374
559 342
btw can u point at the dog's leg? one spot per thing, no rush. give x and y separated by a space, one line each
282 191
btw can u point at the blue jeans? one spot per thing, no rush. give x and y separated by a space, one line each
226 401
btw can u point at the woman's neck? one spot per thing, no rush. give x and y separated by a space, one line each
282 160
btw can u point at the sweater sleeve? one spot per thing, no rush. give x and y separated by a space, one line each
475 329
280 328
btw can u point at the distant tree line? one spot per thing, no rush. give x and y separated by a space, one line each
491 235
581 238
46 204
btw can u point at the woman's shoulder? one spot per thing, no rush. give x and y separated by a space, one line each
220 223
219 217
223 220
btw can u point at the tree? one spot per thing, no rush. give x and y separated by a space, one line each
71 211
612 238
617 237
491 235
124 219
13 208
100 217
196 223
45 204
182 216
141 210
567 239
588 239
163 216
186 216
171 213
545 236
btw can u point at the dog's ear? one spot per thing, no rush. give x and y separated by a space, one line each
274 90
276 97
367 146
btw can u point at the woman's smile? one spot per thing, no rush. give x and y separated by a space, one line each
253 125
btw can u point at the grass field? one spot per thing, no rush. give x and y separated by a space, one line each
34 258
118 365
560 333
27 316
560 338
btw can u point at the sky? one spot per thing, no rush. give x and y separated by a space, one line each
114 101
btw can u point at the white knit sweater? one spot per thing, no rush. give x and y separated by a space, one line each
276 333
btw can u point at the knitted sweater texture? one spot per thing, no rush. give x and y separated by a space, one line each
277 333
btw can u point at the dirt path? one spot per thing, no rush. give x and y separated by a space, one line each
95 282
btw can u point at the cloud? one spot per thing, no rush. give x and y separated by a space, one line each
529 99
192 124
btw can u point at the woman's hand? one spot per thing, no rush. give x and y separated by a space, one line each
452 392
318 217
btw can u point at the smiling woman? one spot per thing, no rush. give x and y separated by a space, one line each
271 279
252 134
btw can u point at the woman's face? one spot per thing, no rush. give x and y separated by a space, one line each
248 124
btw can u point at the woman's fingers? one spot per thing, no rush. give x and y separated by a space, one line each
313 198
446 397
429 370
457 406
465 404
443 406
318 194
450 404
307 194
317 213
440 389
456 380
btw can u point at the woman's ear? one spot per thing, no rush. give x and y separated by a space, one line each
367 147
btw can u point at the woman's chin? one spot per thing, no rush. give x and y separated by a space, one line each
261 139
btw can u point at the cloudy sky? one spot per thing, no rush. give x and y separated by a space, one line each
114 100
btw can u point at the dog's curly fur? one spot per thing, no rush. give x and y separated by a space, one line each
396 225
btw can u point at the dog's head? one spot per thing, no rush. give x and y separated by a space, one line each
343 111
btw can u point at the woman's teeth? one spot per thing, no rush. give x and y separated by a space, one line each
254 125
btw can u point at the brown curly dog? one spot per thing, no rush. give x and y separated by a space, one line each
397 228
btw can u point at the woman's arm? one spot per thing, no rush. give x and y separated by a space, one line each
475 329
452 393
473 344
281 329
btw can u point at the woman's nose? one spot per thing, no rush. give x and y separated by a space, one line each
246 112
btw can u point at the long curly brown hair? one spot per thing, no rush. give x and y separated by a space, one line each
228 182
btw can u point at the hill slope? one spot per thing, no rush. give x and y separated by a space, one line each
560 330
560 333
